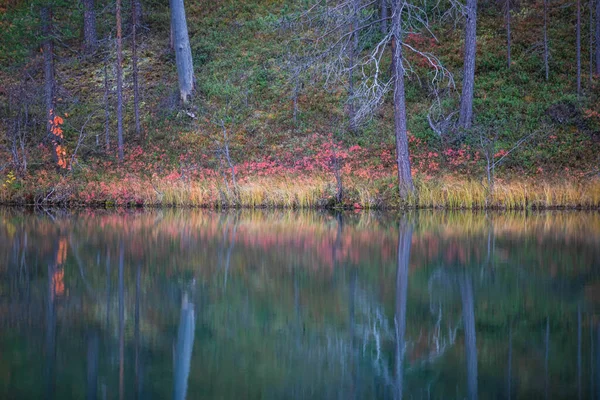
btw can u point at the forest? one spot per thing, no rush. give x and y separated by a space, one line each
301 103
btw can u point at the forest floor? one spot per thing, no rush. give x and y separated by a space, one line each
544 139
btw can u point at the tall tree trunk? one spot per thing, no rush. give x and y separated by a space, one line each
106 111
508 37
404 242
597 37
353 47
119 83
49 83
384 16
591 40
466 100
578 45
546 65
90 36
183 51
468 305
405 182
134 61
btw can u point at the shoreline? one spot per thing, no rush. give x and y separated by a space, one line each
316 192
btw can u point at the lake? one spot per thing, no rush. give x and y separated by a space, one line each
162 304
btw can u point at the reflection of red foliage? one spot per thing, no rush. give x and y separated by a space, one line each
58 282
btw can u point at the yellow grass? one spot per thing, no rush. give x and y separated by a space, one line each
319 191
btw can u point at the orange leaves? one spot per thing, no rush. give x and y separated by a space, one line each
55 128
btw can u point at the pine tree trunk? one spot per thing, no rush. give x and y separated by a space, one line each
134 61
466 101
405 183
183 51
106 111
578 45
546 66
508 37
119 83
597 37
353 47
89 26
384 16
591 10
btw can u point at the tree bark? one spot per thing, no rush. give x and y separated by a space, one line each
119 83
134 61
404 242
405 182
384 16
578 45
466 100
183 51
546 66
591 40
89 26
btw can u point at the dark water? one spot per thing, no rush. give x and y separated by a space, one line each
297 305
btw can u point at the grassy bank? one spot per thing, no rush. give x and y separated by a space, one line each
314 191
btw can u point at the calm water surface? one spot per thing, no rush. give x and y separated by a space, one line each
299 305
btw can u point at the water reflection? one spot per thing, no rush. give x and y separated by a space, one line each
296 305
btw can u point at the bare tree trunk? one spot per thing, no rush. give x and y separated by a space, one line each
578 45
134 61
89 26
546 66
508 37
468 304
466 101
119 83
405 183
404 242
183 51
48 49
384 16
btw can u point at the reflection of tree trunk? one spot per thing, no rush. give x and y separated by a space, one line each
183 350
598 363
404 241
121 322
107 289
50 353
509 372
591 359
354 390
230 249
92 365
137 332
466 292
579 392
547 382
